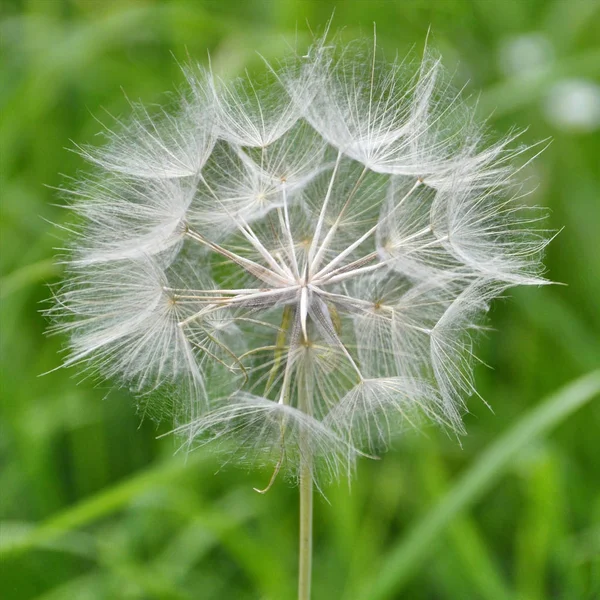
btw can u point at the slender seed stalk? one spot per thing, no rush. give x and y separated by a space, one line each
306 499
306 510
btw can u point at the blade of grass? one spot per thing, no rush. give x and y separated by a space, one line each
28 275
559 321
99 505
474 563
372 518
542 515
402 561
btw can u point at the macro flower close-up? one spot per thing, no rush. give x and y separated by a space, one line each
314 323
295 268
300 263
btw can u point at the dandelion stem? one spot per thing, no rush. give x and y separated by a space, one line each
306 498
306 509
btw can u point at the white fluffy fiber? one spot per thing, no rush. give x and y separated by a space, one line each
298 263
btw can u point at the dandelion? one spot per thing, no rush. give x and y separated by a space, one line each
295 267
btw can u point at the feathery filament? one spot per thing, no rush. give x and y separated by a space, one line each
298 264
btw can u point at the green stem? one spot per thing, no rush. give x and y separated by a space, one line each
306 510
306 496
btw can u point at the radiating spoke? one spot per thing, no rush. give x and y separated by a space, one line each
246 231
345 299
261 272
360 262
317 234
314 263
354 273
272 295
342 255
287 231
187 292
343 273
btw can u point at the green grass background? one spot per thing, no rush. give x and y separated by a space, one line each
95 507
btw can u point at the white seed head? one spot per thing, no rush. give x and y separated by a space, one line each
296 266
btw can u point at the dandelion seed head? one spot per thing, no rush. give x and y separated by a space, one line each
298 265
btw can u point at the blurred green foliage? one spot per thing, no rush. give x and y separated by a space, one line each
95 507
